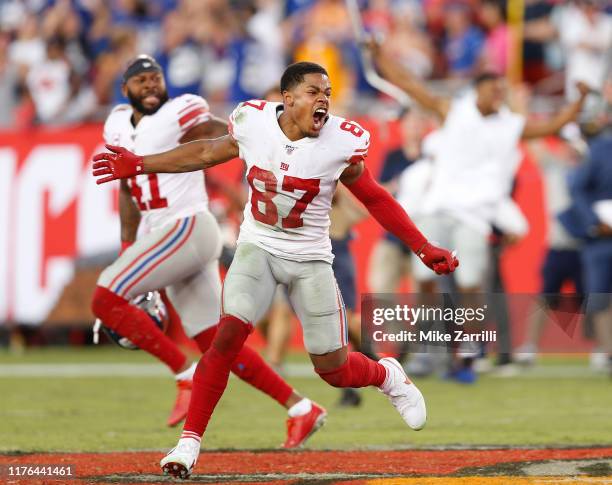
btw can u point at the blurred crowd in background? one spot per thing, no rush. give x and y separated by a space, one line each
61 60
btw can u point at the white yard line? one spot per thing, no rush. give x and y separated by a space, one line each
112 370
82 370
290 370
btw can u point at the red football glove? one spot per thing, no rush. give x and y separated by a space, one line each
394 219
441 260
120 164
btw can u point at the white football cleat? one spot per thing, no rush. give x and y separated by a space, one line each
403 394
525 355
180 460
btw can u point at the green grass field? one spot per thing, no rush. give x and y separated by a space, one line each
558 404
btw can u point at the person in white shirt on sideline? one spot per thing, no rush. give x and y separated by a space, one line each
585 33
474 164
471 172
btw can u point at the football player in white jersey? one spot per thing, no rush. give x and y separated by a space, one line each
177 246
295 153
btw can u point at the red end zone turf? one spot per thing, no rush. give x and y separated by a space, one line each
354 467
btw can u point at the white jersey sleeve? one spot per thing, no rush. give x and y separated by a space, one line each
112 125
352 142
191 110
358 140
241 122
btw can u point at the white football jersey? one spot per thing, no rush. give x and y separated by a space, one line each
475 160
291 183
163 197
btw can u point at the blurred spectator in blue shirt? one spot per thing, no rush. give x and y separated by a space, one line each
257 50
180 57
592 183
144 17
463 41
111 64
297 6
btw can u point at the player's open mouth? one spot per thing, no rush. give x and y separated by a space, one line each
319 117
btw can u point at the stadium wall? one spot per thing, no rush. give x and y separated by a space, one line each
52 212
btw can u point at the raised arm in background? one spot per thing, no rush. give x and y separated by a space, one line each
402 78
569 113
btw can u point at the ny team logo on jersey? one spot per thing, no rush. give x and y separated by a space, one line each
284 166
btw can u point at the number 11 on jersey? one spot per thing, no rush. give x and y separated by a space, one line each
155 202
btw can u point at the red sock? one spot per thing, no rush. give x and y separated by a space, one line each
251 368
212 373
133 323
357 371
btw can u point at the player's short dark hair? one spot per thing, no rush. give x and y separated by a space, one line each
486 76
294 74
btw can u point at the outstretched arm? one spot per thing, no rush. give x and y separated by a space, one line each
417 90
189 157
536 129
193 156
390 215
213 127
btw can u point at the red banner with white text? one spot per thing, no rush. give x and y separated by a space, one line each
52 212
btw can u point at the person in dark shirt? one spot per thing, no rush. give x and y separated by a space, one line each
537 12
591 190
390 260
